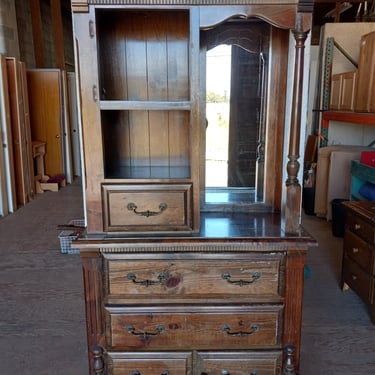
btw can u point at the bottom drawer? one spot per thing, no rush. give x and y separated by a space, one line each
200 363
149 363
240 363
360 281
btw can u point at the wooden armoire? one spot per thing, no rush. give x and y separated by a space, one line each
174 285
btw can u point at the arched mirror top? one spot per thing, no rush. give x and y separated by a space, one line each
282 16
236 32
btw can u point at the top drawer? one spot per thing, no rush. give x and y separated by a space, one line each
255 278
154 207
360 227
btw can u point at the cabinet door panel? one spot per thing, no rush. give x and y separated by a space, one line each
365 93
45 115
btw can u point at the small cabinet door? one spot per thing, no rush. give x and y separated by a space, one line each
365 97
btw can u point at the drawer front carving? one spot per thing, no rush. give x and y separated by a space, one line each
360 227
149 363
193 327
249 363
147 207
359 251
361 282
193 278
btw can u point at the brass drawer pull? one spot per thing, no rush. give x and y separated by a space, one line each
255 276
145 335
253 328
355 250
133 207
357 226
161 278
136 372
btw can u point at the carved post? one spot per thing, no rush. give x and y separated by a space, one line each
92 267
289 368
293 187
98 361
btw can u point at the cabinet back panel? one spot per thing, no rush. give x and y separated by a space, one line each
144 55
147 141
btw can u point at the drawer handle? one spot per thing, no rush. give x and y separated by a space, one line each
253 328
161 278
357 226
354 277
133 207
355 250
145 335
255 276
136 372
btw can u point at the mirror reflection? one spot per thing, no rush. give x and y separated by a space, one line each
235 112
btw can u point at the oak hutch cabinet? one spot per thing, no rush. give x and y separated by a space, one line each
178 281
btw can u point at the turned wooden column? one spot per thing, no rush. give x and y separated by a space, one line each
92 268
293 187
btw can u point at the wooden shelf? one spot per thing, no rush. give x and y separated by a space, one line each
144 105
352 117
359 118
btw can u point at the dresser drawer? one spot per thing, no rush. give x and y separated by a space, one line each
240 363
194 327
358 250
171 279
147 207
361 282
360 227
148 363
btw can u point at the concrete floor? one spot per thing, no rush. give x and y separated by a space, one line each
42 325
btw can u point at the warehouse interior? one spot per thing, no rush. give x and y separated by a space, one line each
43 311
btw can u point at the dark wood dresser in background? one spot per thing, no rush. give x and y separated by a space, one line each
358 266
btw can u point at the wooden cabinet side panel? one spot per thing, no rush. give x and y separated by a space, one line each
276 119
293 302
86 44
93 285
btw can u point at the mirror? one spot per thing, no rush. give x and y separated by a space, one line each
236 81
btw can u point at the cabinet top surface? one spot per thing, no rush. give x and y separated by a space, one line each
366 209
221 228
188 2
